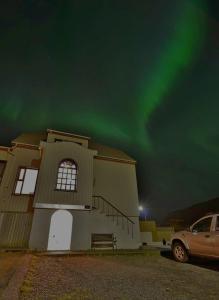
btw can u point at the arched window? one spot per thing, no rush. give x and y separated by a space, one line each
67 176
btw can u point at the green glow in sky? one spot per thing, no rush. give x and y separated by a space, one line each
178 49
141 77
177 53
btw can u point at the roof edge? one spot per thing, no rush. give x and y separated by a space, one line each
4 148
117 159
68 134
25 144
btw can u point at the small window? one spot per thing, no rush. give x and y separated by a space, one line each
67 176
217 224
70 141
2 169
203 225
26 181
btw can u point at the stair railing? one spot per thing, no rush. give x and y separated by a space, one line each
100 203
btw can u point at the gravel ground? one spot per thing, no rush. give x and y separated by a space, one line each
12 290
8 265
120 277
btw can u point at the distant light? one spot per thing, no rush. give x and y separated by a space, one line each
141 208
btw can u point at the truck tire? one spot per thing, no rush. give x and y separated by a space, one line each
179 252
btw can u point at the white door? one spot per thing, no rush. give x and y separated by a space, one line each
60 231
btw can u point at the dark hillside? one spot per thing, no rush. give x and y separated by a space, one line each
183 218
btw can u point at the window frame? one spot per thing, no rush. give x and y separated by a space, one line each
217 223
76 176
3 170
17 179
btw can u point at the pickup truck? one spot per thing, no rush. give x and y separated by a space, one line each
200 239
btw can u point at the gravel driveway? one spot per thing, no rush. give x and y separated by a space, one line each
120 277
8 266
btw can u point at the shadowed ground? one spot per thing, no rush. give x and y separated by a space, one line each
118 277
13 269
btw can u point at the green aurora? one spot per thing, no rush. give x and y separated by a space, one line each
140 77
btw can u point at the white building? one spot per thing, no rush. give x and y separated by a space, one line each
61 191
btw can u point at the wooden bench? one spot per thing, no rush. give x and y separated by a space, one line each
103 241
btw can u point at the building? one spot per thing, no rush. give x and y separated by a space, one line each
151 234
61 191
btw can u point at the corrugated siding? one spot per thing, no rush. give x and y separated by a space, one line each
15 229
8 201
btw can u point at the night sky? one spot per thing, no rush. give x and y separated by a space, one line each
139 75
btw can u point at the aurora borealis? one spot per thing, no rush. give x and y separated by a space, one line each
138 75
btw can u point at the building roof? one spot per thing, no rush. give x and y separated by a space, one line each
68 134
103 151
110 152
30 138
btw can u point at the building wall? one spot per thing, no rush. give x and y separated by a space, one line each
116 182
4 154
15 230
148 228
146 237
84 224
164 233
17 157
53 154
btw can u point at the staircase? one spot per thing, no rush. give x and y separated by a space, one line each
117 217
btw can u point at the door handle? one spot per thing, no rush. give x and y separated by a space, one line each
207 235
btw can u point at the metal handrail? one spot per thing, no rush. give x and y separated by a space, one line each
118 212
110 204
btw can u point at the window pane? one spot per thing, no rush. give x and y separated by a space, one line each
2 169
66 163
18 187
29 181
67 175
58 186
203 225
21 175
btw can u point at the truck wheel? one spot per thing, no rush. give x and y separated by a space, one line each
179 252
